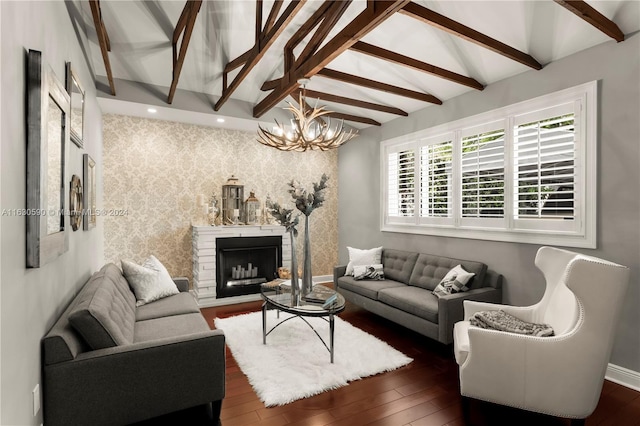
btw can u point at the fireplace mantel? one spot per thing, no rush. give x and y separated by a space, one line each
204 258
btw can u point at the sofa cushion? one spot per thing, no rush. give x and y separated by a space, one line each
368 289
104 311
167 327
414 300
398 264
178 304
430 270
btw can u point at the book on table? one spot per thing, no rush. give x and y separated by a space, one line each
330 301
319 296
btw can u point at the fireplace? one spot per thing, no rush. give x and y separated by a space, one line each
243 263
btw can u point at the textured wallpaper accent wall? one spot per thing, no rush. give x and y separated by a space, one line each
155 170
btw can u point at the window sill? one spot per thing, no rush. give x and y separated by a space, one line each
514 236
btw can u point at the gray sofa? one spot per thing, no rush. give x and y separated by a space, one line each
108 362
405 295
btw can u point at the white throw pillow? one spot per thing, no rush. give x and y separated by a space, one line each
454 282
149 281
363 258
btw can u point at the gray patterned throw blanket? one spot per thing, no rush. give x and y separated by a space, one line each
500 320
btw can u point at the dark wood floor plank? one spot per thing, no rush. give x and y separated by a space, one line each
441 417
405 396
407 415
365 403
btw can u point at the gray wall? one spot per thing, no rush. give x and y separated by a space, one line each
615 66
33 298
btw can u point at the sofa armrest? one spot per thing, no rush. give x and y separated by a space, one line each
338 271
128 383
451 308
182 283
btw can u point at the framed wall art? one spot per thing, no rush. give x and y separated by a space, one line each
89 192
47 135
76 113
75 202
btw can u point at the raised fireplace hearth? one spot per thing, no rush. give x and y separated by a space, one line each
221 258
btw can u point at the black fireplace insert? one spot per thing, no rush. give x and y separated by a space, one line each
244 263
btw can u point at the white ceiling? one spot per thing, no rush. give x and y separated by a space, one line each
140 34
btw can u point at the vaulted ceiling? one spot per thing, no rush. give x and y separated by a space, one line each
370 61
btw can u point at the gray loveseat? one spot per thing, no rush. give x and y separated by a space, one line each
143 362
405 295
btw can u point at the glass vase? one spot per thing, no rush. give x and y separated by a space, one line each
295 285
307 284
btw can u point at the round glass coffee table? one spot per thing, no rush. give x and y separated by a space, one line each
278 297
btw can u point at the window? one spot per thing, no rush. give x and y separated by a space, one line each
523 173
401 183
436 180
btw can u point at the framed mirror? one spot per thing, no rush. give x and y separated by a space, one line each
76 113
47 135
89 192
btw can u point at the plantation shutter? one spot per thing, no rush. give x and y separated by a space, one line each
483 164
436 168
545 153
401 187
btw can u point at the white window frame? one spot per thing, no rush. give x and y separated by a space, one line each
583 234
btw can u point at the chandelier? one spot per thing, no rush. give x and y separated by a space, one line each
310 128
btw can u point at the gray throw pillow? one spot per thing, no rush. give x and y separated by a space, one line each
368 272
454 282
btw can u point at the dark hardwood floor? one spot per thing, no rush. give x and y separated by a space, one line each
422 393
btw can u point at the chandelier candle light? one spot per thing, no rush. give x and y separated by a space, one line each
309 129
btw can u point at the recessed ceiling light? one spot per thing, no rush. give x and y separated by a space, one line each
220 120
152 110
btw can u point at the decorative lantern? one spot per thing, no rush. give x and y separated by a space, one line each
252 207
232 201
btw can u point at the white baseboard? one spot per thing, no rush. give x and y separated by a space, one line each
317 279
623 376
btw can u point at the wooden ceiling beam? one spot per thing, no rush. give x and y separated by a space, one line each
184 28
239 61
270 85
266 40
103 41
355 118
302 32
277 5
329 21
593 17
372 84
375 13
353 102
388 55
338 115
258 31
457 29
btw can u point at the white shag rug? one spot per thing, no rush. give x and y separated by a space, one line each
294 363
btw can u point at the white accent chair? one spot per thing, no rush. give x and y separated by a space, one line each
560 375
